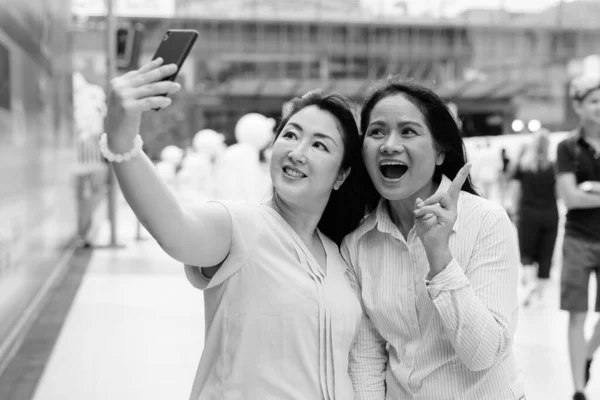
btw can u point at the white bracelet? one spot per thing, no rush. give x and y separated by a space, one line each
112 157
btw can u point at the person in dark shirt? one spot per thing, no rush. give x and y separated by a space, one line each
577 178
538 213
505 182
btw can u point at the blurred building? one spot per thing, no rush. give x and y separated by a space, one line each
253 55
37 200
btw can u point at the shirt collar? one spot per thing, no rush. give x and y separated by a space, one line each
381 219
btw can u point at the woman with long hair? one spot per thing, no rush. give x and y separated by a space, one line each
537 211
435 265
280 313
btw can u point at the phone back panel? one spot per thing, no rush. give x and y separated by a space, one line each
175 47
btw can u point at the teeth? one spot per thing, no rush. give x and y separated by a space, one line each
293 173
392 163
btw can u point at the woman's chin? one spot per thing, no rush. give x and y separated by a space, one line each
392 193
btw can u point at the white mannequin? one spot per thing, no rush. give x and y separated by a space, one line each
197 176
170 157
240 175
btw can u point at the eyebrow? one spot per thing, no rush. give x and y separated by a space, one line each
382 123
317 134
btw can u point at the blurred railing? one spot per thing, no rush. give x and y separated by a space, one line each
88 150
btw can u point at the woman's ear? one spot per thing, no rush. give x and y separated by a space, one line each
341 178
439 159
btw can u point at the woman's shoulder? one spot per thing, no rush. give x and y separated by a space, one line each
477 208
246 217
246 207
365 225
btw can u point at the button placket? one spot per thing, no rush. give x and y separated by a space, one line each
317 275
415 329
324 316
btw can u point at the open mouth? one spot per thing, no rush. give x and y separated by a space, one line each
293 173
392 169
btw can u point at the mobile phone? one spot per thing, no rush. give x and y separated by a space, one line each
174 48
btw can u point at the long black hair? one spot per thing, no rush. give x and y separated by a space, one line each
345 207
441 122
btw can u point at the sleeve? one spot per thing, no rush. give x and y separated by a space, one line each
368 355
479 307
565 159
246 226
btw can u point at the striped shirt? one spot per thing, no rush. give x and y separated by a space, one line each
448 338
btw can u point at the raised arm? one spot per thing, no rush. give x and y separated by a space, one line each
478 303
199 237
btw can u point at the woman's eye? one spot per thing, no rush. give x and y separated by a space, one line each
375 132
409 132
321 146
289 135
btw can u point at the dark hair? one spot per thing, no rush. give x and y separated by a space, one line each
441 122
345 207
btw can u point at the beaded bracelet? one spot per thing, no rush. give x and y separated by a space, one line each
112 157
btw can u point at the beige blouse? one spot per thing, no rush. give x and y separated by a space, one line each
277 325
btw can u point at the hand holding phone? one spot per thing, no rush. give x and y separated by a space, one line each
148 87
133 93
175 47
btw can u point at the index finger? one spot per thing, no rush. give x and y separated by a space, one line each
459 181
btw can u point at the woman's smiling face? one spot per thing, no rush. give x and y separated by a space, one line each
307 157
399 151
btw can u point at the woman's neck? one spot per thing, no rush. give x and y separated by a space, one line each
402 211
303 221
402 215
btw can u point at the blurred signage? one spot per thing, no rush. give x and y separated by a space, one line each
126 8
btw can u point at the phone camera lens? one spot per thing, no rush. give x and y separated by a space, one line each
166 36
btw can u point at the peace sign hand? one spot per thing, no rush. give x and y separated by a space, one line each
435 217
133 93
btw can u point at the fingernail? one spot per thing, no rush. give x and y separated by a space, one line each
177 85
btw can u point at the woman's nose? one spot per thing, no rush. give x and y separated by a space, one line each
298 154
393 143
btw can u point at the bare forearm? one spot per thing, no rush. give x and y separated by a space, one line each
582 199
590 187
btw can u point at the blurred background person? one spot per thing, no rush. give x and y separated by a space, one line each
537 210
577 167
504 184
487 169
